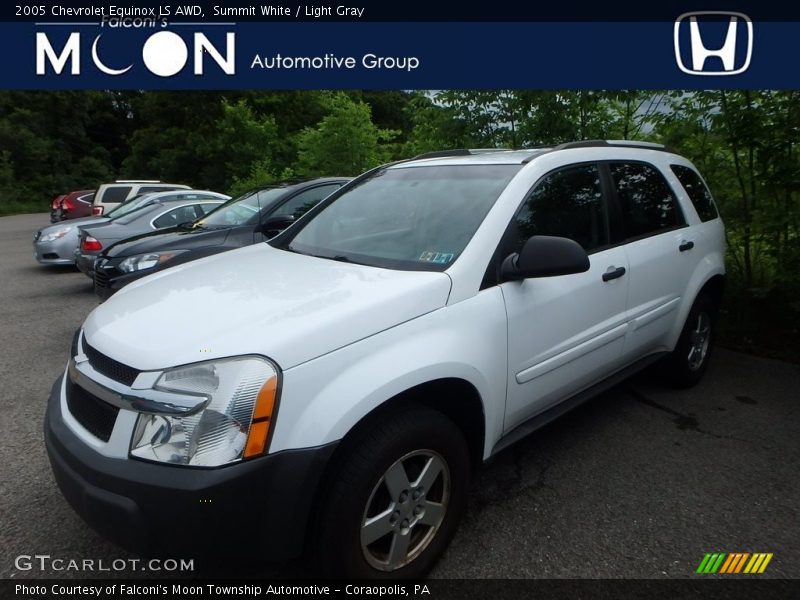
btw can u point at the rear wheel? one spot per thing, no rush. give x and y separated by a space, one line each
688 362
396 498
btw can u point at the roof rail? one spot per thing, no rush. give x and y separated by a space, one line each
458 152
614 143
137 181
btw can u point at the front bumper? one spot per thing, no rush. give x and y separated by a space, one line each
53 253
258 507
85 262
108 279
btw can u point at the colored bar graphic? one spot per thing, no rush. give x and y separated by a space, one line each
727 564
741 562
703 563
764 564
734 562
718 563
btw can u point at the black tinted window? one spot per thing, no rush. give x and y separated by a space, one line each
182 214
697 191
304 201
567 203
154 188
116 194
646 200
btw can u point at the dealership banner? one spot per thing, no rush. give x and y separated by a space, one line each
84 45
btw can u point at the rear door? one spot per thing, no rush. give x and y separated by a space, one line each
566 332
659 252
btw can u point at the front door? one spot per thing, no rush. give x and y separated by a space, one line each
565 332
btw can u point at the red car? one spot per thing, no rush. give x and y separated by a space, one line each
72 205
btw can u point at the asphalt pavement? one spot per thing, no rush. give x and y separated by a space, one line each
641 482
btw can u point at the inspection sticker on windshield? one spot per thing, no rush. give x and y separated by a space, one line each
441 258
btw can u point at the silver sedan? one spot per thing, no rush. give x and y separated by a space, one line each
56 244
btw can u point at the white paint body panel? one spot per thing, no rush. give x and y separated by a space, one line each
558 342
349 337
257 300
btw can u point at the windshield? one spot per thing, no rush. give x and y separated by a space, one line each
243 210
129 206
418 218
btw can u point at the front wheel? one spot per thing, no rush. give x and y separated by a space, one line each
688 361
395 499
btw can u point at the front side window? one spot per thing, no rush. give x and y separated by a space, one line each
416 218
647 202
568 203
697 191
305 201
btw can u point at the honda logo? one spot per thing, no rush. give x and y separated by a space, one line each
713 42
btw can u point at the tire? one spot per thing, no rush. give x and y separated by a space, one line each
384 515
688 362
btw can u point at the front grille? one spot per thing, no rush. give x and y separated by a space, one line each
95 415
101 278
110 367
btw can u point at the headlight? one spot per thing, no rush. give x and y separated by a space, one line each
141 262
55 235
235 423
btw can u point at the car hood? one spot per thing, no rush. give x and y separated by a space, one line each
257 300
172 239
73 223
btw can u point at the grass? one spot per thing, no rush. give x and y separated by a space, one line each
19 208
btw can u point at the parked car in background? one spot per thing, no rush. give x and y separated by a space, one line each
168 210
110 195
55 205
73 206
252 217
337 386
57 244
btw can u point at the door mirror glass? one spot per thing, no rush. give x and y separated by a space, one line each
545 256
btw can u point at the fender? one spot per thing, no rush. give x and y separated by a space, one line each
323 399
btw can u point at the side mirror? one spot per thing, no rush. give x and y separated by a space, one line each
274 225
545 256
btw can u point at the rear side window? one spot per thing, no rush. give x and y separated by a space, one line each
116 193
697 191
647 202
568 203
155 188
182 214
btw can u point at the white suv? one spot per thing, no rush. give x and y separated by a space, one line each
111 195
337 385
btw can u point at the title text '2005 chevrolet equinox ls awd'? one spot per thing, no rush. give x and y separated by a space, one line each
334 387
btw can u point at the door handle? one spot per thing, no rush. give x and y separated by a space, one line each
613 273
685 246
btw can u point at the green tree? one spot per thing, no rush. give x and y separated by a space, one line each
344 142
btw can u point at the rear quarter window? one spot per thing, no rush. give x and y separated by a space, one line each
697 191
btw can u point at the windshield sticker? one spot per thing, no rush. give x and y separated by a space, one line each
440 258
